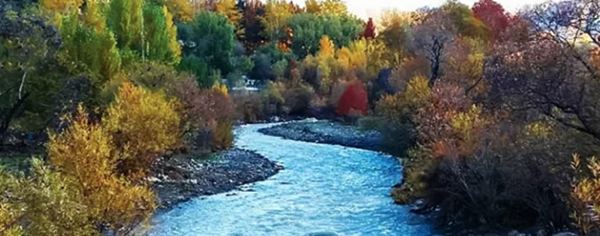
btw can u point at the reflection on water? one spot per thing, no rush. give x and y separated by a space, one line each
325 188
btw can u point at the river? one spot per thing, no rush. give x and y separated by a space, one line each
325 189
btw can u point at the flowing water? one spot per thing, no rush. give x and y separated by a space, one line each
324 190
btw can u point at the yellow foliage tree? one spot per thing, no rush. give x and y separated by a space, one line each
354 56
586 200
312 6
399 107
326 47
228 8
276 14
174 45
334 8
182 9
85 155
61 5
143 125
378 58
93 16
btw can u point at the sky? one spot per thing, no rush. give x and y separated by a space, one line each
373 8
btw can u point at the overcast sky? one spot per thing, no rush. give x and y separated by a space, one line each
372 8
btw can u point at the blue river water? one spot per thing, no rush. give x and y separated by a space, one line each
324 190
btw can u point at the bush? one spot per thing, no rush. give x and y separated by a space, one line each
249 107
584 195
354 101
86 156
222 135
42 204
143 124
298 99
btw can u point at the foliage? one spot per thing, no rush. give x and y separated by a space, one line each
181 9
143 124
276 14
586 202
210 38
492 14
369 32
161 35
31 75
354 101
309 29
86 157
125 19
62 5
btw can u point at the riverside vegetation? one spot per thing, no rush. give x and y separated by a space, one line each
495 114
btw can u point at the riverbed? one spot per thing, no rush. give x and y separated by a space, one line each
326 189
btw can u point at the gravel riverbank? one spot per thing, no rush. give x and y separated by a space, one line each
179 178
327 132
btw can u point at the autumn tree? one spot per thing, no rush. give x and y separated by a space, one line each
181 9
143 124
550 72
493 15
62 5
430 40
276 14
161 35
309 28
369 32
86 156
229 9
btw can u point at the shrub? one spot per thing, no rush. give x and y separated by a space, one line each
222 136
250 107
298 99
354 100
143 124
585 197
86 157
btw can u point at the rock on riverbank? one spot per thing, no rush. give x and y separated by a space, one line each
327 132
179 178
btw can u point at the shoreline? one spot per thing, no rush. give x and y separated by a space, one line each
180 178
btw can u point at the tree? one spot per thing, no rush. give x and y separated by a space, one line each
276 14
253 26
31 75
86 158
550 72
430 39
161 35
369 32
209 37
492 14
333 8
354 100
229 9
465 22
309 28
181 9
143 124
125 20
62 5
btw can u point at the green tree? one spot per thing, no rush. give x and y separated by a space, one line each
309 28
161 35
30 76
125 20
211 39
